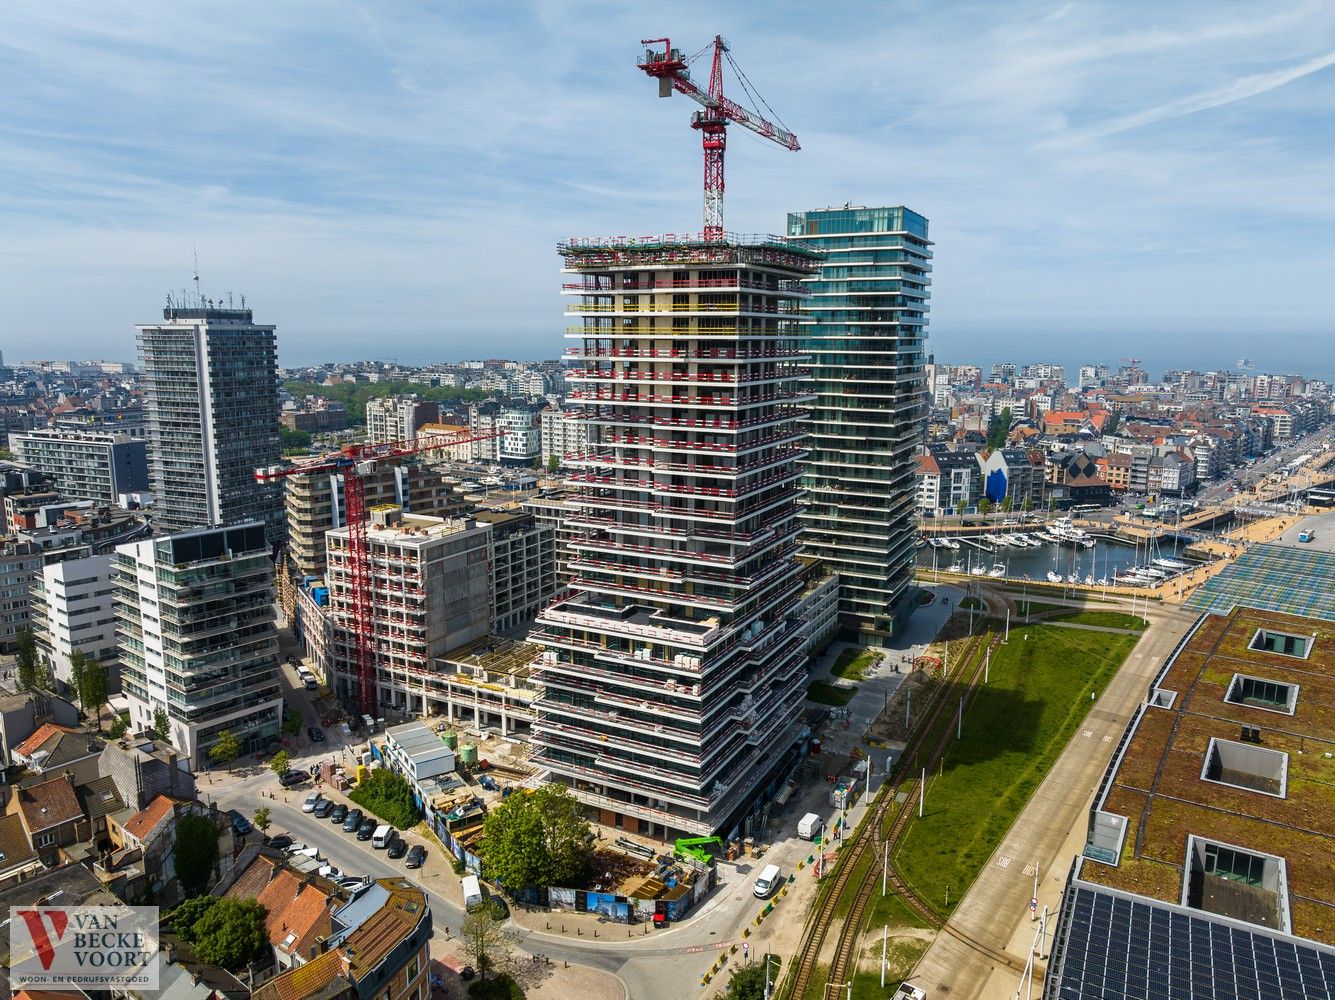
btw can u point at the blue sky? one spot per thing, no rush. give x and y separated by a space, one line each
389 179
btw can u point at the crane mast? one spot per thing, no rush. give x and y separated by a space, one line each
670 69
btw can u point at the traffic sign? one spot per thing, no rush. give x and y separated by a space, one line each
1033 904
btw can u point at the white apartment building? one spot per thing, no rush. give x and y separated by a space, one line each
519 441
397 418
195 618
85 465
563 433
72 611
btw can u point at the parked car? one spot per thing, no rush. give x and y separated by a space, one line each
239 823
280 841
352 821
488 782
289 778
367 829
397 849
315 733
416 857
323 810
312 800
339 814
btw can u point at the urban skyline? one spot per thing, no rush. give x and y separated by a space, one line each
1050 122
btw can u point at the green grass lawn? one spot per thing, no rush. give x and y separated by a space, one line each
828 694
1015 728
1107 619
853 664
972 604
1025 607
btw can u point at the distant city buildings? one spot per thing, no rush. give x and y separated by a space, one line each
397 418
211 395
864 340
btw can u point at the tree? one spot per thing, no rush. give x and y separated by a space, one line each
553 463
984 506
78 668
747 982
119 727
388 795
185 916
162 726
961 506
227 748
25 657
537 839
294 442
1113 422
999 429
293 725
488 942
1008 504
1028 505
281 762
195 853
231 934
261 819
92 685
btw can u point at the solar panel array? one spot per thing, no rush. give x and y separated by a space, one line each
1109 945
1278 578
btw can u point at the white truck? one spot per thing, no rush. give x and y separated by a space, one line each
472 891
809 826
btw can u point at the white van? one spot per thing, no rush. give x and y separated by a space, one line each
472 891
768 881
382 836
809 826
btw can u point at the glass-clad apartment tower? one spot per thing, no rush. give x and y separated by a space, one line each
869 303
672 672
210 378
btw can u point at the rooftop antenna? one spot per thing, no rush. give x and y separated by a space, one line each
195 251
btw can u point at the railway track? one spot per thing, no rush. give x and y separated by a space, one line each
844 963
866 836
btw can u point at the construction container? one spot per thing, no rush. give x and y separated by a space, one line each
468 755
451 739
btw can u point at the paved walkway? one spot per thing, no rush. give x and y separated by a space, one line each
1048 833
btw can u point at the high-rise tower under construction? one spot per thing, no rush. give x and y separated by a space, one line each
672 674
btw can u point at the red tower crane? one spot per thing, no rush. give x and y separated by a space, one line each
354 462
672 73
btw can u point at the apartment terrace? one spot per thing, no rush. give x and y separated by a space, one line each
1226 781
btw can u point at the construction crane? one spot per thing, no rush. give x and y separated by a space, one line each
354 462
1133 362
673 73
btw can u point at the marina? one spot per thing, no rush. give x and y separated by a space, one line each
1058 553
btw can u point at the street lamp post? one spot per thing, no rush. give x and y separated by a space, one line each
768 958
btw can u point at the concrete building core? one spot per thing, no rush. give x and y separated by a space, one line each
672 669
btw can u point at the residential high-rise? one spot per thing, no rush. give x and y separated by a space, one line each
672 672
210 384
85 465
195 615
869 303
314 505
